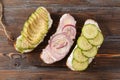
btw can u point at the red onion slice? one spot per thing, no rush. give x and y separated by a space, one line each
66 19
59 41
60 45
69 25
70 30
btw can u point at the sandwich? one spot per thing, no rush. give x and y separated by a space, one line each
87 46
61 41
34 30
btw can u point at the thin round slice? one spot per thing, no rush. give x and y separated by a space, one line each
60 43
79 66
98 40
77 55
90 53
83 43
69 30
90 31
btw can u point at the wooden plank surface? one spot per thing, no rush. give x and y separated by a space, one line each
15 66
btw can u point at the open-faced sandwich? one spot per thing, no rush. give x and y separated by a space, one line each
87 46
60 42
34 30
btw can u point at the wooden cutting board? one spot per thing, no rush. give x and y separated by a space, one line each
106 65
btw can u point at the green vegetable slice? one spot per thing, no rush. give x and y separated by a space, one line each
90 31
79 66
98 40
83 43
32 34
18 43
22 44
77 55
90 53
43 13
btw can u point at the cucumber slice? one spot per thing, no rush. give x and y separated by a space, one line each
83 43
90 53
79 66
77 55
98 40
90 31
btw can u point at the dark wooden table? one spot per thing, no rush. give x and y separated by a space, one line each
106 65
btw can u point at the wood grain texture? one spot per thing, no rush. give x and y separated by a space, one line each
16 66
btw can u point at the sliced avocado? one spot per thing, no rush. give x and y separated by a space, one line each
25 44
34 30
22 42
42 13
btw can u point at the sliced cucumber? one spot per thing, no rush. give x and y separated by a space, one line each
77 55
90 53
98 40
91 37
79 66
83 43
90 31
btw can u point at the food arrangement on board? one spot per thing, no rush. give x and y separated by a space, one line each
36 28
